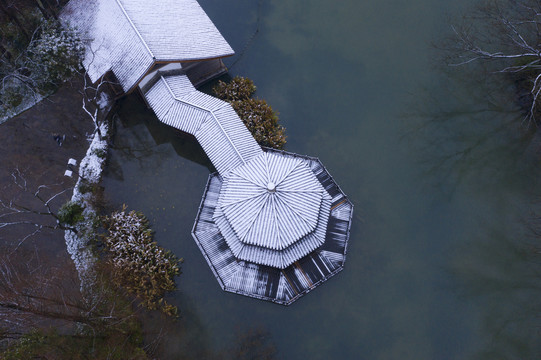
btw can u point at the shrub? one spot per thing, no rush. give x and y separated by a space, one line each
140 266
239 88
86 187
262 122
12 97
100 152
70 213
36 66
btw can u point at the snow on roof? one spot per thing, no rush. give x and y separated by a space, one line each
129 36
177 29
272 225
272 211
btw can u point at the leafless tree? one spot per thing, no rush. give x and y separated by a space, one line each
506 34
96 101
30 293
96 96
35 294
32 211
15 70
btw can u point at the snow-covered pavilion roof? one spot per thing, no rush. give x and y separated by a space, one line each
130 36
272 225
272 211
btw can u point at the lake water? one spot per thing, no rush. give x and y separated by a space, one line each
441 262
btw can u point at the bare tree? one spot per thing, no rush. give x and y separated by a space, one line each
32 211
96 101
506 34
36 295
31 292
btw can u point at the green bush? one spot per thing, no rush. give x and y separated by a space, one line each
56 53
85 187
262 122
239 88
37 66
99 152
70 213
12 97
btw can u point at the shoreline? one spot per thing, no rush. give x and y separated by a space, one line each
78 245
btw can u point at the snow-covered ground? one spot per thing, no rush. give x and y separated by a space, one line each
90 170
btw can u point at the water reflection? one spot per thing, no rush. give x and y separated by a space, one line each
140 121
471 132
501 274
188 337
474 149
437 188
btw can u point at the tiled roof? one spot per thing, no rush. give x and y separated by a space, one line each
272 283
272 211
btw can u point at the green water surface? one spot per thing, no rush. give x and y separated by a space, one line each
441 263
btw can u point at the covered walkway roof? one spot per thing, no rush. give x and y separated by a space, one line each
213 122
271 209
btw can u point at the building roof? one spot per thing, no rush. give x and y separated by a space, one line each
129 36
272 225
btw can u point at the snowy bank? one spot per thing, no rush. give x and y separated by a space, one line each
90 170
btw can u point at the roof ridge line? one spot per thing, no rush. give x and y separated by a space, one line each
289 171
251 223
134 28
228 138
